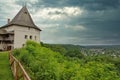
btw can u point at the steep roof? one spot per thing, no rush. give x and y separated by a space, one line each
23 18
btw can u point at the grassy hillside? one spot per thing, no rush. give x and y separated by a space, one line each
103 54
5 71
44 64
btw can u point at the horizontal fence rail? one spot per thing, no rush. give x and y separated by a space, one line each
19 72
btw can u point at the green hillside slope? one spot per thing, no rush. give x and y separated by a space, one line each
44 64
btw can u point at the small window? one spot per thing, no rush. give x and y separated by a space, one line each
26 36
30 37
25 12
35 37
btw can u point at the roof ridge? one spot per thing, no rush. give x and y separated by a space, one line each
23 18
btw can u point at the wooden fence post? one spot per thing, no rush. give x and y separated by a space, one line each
17 69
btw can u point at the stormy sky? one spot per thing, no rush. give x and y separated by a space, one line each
82 22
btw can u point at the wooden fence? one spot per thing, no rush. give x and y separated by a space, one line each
19 72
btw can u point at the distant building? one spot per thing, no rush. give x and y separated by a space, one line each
21 28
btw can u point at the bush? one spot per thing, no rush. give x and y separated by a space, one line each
44 64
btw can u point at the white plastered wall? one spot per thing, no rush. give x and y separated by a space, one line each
19 35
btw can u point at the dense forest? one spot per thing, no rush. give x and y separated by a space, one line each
69 62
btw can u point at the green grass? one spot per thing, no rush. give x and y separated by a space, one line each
5 71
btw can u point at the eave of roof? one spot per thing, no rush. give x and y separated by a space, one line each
7 25
23 19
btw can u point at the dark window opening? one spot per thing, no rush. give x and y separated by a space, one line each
25 12
30 37
9 48
26 36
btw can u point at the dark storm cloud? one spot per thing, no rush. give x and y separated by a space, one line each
100 18
99 22
99 4
87 4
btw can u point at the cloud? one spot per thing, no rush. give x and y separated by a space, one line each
58 13
76 27
8 9
46 26
85 4
70 21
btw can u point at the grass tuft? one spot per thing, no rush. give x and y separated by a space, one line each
5 71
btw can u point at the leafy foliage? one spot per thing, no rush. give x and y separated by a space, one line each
44 64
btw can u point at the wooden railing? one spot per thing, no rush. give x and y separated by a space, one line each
19 72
